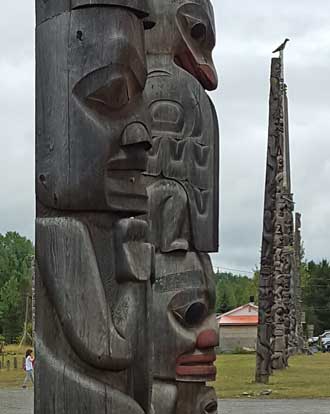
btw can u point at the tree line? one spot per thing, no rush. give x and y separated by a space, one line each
16 254
236 290
316 294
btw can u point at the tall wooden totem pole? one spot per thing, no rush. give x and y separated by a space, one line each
127 207
183 195
297 282
275 303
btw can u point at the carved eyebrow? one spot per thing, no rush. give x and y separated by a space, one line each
138 6
177 281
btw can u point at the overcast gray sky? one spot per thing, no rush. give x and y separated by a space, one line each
247 33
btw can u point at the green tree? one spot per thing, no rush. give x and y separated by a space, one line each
316 294
233 291
16 253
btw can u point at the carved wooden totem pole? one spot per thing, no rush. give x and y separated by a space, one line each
94 266
297 282
264 353
275 303
183 194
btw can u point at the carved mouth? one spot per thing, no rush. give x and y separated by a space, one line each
128 162
126 191
197 365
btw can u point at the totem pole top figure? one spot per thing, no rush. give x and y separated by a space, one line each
280 49
282 46
92 126
184 159
186 30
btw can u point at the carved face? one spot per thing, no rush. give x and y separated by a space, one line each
92 125
185 326
190 37
196 25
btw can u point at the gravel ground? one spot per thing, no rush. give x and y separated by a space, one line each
274 406
16 401
21 402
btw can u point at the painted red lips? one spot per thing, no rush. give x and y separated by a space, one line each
197 365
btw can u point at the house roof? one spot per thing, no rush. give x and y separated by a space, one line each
246 315
239 320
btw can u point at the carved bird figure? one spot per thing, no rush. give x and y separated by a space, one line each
282 46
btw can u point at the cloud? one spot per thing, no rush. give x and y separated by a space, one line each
247 33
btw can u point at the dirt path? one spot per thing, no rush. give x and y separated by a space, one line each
16 401
21 402
274 406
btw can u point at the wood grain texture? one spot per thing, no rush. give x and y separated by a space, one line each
183 190
47 9
87 139
123 131
184 123
94 264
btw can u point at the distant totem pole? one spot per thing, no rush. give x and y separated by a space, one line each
183 179
94 264
276 315
297 282
127 207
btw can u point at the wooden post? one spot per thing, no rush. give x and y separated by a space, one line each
122 115
264 351
276 310
183 183
93 291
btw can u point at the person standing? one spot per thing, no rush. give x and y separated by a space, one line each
29 361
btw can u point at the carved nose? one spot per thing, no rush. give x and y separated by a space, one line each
136 134
207 339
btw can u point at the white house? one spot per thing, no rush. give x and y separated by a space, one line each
238 328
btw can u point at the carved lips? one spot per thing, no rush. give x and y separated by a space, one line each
197 365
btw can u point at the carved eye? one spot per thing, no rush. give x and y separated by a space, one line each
198 31
192 314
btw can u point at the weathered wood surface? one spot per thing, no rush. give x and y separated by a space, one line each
47 9
94 265
277 312
185 147
183 180
297 282
119 118
264 352
283 310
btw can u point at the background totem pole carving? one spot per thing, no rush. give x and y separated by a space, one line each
183 192
264 368
94 266
298 253
276 310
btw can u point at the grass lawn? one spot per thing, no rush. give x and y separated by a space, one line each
14 377
307 377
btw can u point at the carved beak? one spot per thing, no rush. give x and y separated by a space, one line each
200 66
